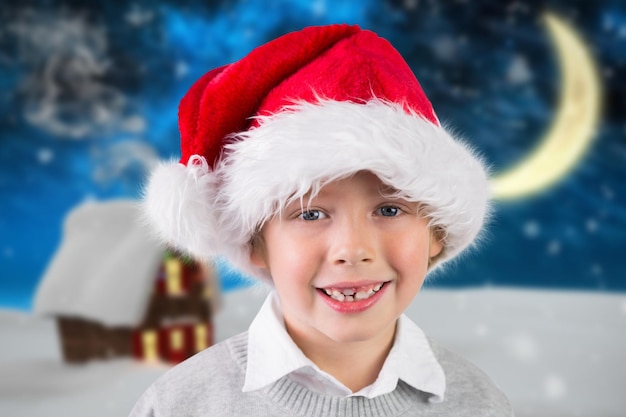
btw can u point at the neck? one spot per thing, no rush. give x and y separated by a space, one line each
356 364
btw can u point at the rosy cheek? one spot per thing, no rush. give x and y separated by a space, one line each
408 251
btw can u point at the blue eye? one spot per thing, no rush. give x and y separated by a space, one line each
311 215
389 211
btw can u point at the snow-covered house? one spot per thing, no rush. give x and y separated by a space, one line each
116 291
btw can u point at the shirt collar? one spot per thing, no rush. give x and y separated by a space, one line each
272 354
415 362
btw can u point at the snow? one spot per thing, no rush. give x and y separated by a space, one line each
105 266
555 353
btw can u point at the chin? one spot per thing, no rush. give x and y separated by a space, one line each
341 334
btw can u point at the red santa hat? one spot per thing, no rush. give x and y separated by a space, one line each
310 106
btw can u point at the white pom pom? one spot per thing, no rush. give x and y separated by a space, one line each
179 201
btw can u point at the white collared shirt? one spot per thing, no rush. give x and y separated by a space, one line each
272 354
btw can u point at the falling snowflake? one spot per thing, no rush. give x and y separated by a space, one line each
608 192
445 48
45 155
596 269
554 387
181 69
519 71
531 229
410 4
523 346
554 248
461 301
138 16
319 8
481 330
592 225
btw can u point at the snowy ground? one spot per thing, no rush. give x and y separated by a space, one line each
556 354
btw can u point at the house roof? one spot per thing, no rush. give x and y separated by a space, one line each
105 266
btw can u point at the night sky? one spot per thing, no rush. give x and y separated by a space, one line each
90 91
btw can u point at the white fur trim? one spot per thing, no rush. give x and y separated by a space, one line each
178 202
181 203
309 143
216 213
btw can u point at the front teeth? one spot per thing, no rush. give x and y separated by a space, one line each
351 294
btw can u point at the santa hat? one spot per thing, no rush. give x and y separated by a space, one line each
310 106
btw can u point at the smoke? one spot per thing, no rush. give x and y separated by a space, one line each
64 89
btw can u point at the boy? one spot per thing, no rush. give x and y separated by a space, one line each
317 164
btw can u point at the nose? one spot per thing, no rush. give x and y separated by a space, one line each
353 242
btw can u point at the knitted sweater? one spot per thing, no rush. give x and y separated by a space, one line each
209 384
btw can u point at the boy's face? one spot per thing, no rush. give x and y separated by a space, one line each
354 243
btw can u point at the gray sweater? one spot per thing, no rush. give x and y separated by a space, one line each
209 384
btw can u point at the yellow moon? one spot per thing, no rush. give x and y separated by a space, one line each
572 129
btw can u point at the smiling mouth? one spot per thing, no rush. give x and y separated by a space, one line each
353 294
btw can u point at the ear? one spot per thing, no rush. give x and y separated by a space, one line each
258 257
436 243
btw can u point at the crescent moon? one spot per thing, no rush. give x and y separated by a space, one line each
572 129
